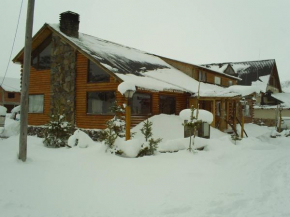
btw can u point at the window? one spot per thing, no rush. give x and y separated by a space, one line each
230 83
41 57
246 109
96 74
218 109
202 76
141 104
167 104
11 95
217 80
36 103
100 102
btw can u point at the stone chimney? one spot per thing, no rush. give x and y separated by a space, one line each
69 23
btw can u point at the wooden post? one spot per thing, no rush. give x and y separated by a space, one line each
128 120
235 109
223 116
213 113
25 83
280 121
242 123
228 113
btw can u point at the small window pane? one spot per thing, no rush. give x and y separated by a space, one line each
217 80
96 74
35 104
45 58
230 83
141 104
11 95
167 104
100 102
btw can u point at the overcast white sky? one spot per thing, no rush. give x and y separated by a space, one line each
195 31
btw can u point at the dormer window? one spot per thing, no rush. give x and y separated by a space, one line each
41 56
96 73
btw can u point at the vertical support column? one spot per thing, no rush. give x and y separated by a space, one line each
242 124
223 115
128 119
213 113
228 113
234 115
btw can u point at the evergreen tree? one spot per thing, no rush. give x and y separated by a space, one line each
146 130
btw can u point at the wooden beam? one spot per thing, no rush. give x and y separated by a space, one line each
128 120
213 112
223 116
228 113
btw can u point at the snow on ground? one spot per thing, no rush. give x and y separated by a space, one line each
225 180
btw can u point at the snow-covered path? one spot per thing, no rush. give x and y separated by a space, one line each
249 179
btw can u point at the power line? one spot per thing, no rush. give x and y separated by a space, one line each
13 43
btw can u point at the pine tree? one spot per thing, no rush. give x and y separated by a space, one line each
146 130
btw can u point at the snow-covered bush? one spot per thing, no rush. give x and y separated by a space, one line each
15 113
191 122
235 138
57 132
150 145
80 139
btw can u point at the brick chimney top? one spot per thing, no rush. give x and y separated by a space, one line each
69 23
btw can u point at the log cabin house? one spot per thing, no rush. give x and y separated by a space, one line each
78 75
9 92
262 77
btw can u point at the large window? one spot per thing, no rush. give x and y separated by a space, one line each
96 74
217 80
230 83
41 57
36 103
141 104
202 76
167 104
246 109
100 102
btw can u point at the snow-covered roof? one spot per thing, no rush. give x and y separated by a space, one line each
248 71
10 84
283 97
145 70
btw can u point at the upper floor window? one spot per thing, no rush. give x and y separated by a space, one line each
11 95
96 73
202 76
217 80
141 104
41 56
100 102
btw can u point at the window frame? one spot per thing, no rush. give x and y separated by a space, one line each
151 104
88 72
87 102
202 76
38 50
11 95
37 94
164 95
220 80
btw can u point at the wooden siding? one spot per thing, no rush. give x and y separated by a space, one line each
90 121
39 83
192 71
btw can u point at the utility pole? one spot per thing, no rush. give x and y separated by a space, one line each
25 83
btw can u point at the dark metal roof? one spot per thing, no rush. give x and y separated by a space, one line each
249 71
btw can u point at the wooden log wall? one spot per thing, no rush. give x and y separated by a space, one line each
39 83
90 121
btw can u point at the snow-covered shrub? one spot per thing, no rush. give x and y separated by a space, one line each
235 138
150 145
15 113
192 122
80 139
57 132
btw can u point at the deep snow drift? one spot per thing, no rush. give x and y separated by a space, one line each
248 179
